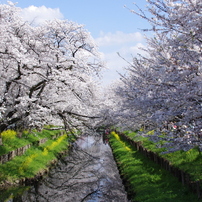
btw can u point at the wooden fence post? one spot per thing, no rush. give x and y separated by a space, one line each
198 189
183 177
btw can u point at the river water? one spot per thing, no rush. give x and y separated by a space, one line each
88 174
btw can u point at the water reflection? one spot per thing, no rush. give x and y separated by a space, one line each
88 174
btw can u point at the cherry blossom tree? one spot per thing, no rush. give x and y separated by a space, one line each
165 85
48 72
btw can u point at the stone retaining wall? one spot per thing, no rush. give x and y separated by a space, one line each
10 155
41 141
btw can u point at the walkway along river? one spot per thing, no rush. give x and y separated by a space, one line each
88 174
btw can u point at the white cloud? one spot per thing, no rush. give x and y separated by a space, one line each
127 45
116 64
118 38
37 15
131 51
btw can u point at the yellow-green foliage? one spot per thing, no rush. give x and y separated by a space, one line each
26 163
141 129
118 139
115 135
55 143
35 159
189 161
151 132
45 152
8 134
25 132
192 154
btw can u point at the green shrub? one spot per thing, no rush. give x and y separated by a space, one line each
151 132
8 135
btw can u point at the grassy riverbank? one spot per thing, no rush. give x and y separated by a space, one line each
43 151
189 161
145 180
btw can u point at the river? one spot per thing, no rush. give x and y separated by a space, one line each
88 174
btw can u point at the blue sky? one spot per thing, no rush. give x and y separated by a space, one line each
114 27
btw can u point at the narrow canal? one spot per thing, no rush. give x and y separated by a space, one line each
88 174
